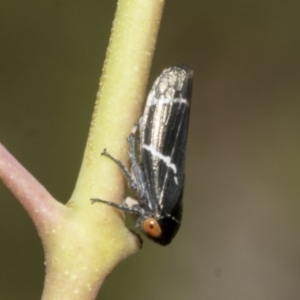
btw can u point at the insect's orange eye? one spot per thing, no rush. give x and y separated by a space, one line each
151 227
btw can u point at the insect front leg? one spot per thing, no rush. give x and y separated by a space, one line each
129 205
131 182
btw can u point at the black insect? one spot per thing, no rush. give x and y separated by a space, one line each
157 174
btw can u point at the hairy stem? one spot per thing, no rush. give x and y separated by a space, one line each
83 243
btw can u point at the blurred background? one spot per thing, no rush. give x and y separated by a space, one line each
240 232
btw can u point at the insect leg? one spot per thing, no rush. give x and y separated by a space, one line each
132 155
124 206
135 166
127 174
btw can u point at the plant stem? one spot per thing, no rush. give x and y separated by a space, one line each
83 243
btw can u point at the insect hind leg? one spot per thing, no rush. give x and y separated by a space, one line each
127 174
136 168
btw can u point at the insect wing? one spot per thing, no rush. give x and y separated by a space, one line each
163 134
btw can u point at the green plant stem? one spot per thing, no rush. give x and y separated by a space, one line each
90 240
83 243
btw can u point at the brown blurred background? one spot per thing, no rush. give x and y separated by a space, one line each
240 233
